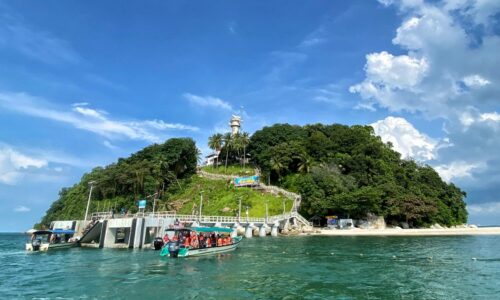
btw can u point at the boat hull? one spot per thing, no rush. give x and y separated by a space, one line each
47 246
183 252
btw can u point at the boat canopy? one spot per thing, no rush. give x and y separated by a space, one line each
63 231
39 232
211 229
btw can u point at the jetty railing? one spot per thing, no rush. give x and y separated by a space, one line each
203 219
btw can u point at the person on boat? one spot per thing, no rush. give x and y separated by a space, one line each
165 238
201 239
213 238
187 241
194 241
219 241
209 242
229 240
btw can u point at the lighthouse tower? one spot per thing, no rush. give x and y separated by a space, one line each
235 124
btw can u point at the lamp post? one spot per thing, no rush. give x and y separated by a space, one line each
267 213
239 209
201 205
284 206
91 183
247 213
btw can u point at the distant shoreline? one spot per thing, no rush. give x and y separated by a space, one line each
407 232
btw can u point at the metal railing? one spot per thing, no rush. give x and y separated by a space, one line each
202 219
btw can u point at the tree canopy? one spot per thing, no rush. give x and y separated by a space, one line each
349 171
121 184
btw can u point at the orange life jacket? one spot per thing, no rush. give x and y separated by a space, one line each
209 243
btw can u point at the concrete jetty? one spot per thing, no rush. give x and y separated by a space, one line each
107 230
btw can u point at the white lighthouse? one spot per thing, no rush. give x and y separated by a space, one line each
235 124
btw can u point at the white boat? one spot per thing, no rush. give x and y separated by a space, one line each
175 245
44 240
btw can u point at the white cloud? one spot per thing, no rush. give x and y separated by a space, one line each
16 34
458 169
455 67
89 112
406 139
493 116
21 209
207 101
474 81
444 53
89 119
489 208
14 164
108 144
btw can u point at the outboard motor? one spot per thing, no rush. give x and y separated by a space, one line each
158 243
36 243
173 249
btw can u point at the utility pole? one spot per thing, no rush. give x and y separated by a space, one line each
239 209
91 183
201 205
283 205
267 212
247 213
154 205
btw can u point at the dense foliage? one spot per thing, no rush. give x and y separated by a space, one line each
121 184
348 171
341 170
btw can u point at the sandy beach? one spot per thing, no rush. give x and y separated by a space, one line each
408 232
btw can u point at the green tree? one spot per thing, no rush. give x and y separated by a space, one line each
228 144
215 143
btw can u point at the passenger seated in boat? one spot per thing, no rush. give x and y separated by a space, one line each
209 242
194 241
187 241
213 238
201 240
219 241
166 239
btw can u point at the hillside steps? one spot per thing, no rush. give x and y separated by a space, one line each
271 189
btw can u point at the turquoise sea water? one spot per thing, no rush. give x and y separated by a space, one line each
263 268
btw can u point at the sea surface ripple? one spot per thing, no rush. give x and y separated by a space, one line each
307 267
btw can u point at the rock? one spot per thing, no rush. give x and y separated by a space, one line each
372 222
472 226
255 232
404 225
226 209
396 227
437 226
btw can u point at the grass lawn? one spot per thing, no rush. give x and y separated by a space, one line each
220 198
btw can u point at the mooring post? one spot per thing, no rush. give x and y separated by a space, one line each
249 231
262 230
274 229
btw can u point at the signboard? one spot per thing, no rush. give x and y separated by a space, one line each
331 220
142 204
246 181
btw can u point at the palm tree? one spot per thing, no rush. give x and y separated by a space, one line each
215 143
228 142
245 140
306 163
276 165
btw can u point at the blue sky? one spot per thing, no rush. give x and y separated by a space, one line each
82 84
